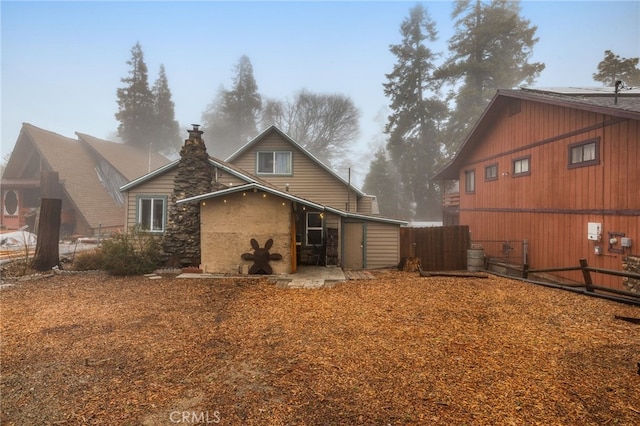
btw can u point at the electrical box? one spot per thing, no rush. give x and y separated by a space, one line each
594 231
625 242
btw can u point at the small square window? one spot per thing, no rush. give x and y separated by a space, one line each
584 153
491 172
274 162
470 181
521 166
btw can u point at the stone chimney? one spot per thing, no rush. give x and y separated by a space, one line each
181 241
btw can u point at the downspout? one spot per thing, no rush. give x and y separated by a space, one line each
349 192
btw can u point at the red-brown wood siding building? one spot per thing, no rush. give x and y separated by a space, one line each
540 165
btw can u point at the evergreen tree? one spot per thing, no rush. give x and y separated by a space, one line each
613 68
166 130
136 104
413 126
383 182
230 121
489 51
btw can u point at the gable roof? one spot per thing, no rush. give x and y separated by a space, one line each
274 191
76 171
130 161
274 129
229 168
600 101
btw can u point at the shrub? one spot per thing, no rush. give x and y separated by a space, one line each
89 260
135 253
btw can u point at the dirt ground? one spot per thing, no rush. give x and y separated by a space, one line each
397 350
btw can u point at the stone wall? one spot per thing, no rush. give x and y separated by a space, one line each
181 241
631 264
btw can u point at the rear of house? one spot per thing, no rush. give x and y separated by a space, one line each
560 171
317 217
354 235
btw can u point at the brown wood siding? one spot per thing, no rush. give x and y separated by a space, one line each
552 206
383 245
309 180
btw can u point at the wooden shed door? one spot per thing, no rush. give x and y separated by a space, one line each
353 246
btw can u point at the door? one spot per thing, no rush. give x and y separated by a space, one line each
353 257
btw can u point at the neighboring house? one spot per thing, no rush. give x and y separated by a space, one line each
90 172
274 189
560 169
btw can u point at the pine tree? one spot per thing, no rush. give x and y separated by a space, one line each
136 104
230 120
613 68
383 182
489 51
413 126
166 129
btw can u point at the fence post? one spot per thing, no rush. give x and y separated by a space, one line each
586 275
525 271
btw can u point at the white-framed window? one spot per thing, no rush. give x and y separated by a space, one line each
274 162
10 203
470 180
314 228
584 153
152 213
521 166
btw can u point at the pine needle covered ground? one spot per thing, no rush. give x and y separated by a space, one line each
396 350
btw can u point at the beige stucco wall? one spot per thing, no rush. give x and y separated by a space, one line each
229 223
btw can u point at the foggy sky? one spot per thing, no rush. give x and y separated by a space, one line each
62 61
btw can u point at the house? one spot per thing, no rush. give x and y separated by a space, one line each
90 172
559 169
275 192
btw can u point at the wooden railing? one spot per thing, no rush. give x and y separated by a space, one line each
586 274
451 200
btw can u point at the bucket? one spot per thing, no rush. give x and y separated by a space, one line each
475 259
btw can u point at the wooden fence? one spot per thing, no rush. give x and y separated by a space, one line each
438 249
588 280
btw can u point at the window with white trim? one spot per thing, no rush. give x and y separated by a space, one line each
151 213
521 166
274 162
314 228
10 203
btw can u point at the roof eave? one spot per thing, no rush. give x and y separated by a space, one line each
249 187
149 176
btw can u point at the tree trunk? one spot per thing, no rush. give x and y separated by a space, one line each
47 249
